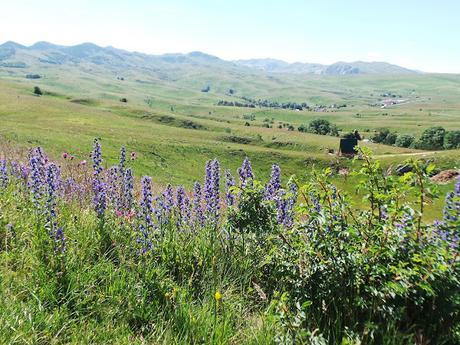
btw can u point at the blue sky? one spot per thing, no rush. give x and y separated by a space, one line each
421 34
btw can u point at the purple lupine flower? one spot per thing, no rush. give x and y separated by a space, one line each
448 229
99 187
20 171
113 192
36 181
59 240
280 201
245 172
198 218
183 207
144 215
291 200
229 183
55 233
122 161
96 155
167 203
3 174
16 169
316 204
404 222
211 190
128 187
216 184
274 184
451 211
285 205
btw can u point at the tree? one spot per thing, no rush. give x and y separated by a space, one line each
380 135
432 139
37 91
390 139
452 140
404 140
319 126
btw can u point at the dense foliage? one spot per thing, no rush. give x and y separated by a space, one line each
93 257
320 126
433 138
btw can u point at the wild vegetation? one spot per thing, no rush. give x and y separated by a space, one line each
89 255
131 249
433 138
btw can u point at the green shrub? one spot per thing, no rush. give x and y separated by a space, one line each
404 140
432 139
452 140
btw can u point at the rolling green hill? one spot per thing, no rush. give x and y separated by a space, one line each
175 126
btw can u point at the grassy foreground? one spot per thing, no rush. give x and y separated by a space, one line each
91 256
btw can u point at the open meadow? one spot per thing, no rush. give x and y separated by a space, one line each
172 199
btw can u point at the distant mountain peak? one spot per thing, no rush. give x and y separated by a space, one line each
11 44
337 68
201 55
43 45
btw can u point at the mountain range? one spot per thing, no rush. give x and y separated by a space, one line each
15 55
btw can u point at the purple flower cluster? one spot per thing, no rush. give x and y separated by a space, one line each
127 191
183 208
274 184
245 172
211 191
99 187
37 175
451 211
52 184
113 192
198 217
20 171
448 229
285 202
144 215
229 183
3 174
122 161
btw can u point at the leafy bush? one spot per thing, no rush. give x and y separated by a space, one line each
319 126
452 140
37 91
390 139
404 140
384 136
432 139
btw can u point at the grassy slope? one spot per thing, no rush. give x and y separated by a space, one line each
85 104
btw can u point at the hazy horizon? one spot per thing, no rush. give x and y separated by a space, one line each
415 34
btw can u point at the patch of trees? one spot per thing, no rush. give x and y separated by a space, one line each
384 136
433 138
235 104
33 76
320 126
437 138
273 104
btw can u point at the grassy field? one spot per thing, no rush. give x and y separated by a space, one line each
174 128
